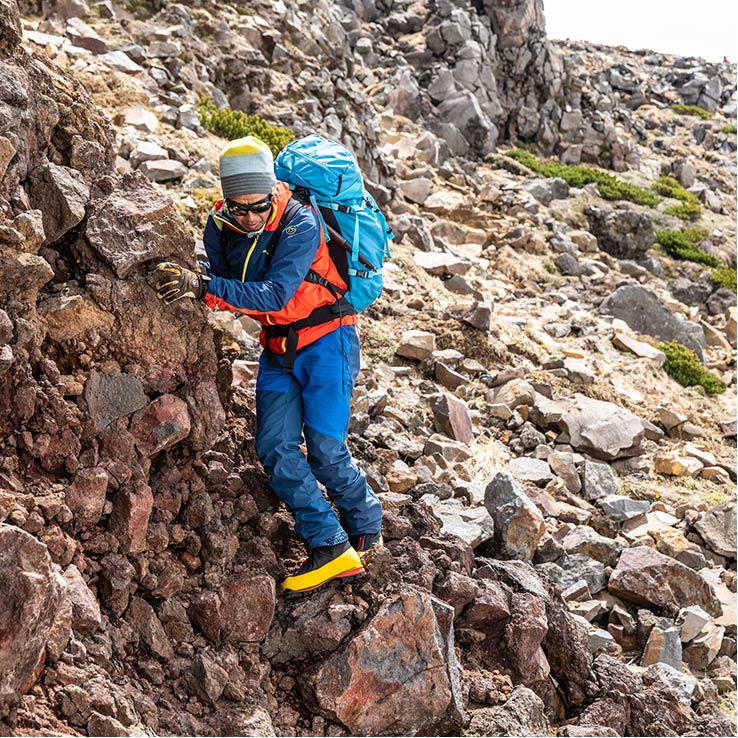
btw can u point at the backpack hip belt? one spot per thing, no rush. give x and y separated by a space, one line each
324 314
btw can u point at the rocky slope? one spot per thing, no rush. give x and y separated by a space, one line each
560 514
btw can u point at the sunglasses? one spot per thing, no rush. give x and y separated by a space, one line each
236 208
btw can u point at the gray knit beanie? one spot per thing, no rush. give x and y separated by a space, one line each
247 168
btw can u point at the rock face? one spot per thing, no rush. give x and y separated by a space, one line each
643 312
399 676
32 597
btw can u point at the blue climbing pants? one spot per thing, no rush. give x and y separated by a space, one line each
312 402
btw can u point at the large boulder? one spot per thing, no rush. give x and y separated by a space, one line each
622 233
602 429
32 596
399 676
645 313
646 577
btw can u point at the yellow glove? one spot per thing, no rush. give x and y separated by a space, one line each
178 282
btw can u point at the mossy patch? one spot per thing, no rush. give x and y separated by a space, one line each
689 207
685 245
683 365
232 124
695 110
729 129
577 175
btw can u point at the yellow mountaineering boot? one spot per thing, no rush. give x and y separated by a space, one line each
323 564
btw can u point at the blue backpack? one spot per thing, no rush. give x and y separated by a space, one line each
355 230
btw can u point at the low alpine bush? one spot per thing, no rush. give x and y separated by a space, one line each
683 365
695 110
232 124
689 207
577 175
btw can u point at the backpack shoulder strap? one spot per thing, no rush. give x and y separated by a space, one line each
293 206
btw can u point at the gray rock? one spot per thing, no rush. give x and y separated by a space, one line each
163 170
61 194
718 529
691 620
663 647
570 569
122 62
472 524
583 539
111 396
463 112
518 523
622 233
598 480
619 507
146 151
673 677
602 429
644 313
568 265
546 190
527 469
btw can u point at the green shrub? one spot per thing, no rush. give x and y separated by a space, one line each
691 110
685 245
729 129
232 124
724 276
684 366
577 175
689 207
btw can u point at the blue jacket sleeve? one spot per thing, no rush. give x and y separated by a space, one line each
211 241
290 263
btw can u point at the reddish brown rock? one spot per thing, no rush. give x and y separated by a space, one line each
646 577
161 424
143 620
457 590
204 612
31 598
451 417
399 676
85 497
129 520
524 633
86 616
247 608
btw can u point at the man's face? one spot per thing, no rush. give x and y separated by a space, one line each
251 220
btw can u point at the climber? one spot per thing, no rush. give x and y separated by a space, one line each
267 258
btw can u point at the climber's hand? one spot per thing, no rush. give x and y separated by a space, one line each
177 282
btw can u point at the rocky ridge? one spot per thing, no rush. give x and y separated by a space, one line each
555 504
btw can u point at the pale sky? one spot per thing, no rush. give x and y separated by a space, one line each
706 28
